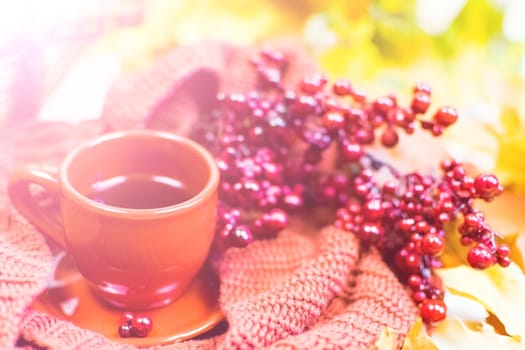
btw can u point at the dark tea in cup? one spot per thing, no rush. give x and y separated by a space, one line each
140 191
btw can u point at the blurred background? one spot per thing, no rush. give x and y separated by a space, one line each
58 57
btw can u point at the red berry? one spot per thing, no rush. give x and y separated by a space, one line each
364 136
504 261
420 103
356 115
466 241
467 187
352 151
426 125
408 117
406 224
437 130
473 223
276 219
390 187
487 185
415 238
503 250
459 172
126 318
389 137
235 102
415 281
358 95
422 88
367 175
448 164
446 116
419 296
125 330
142 326
333 121
480 257
432 244
383 105
292 201
444 217
240 236
313 84
342 87
373 209
303 106
433 310
413 261
422 227
371 232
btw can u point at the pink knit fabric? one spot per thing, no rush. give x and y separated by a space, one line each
309 288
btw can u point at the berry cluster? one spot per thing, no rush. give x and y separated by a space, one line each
272 146
132 325
405 217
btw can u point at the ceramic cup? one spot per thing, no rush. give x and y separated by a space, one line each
136 211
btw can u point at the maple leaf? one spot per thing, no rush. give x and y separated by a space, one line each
387 340
516 243
499 290
456 334
418 339
455 253
511 147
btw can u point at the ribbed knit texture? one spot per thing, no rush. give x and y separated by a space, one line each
301 290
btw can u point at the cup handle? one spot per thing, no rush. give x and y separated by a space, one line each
45 218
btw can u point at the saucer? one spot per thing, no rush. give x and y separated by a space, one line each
69 297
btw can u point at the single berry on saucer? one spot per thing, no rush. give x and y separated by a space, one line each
142 326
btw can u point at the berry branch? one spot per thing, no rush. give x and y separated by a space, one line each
271 147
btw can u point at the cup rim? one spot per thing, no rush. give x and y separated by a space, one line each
129 213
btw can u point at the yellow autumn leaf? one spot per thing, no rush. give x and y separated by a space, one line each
500 290
455 334
418 339
341 61
343 40
387 340
455 254
510 121
511 149
516 243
